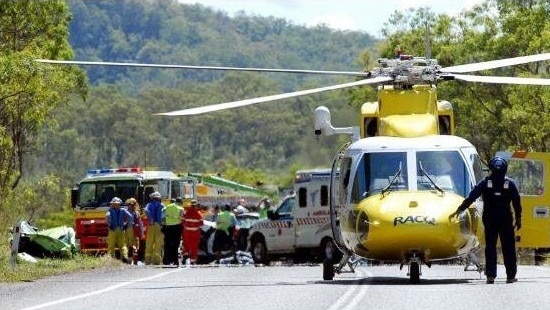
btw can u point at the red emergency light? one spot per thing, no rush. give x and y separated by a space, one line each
129 169
115 170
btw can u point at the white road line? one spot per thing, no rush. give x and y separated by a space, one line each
350 298
357 297
107 289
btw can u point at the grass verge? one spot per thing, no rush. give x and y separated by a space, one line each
26 271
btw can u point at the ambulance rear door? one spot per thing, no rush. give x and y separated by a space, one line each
313 211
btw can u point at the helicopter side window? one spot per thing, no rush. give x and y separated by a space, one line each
359 185
478 167
345 171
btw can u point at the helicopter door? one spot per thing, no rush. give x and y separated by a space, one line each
531 172
337 186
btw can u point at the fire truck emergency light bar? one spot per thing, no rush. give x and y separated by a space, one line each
114 170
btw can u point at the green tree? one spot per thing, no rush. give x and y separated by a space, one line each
30 91
116 126
492 116
511 116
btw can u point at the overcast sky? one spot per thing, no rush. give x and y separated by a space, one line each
362 15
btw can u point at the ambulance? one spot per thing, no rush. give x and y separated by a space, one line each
300 225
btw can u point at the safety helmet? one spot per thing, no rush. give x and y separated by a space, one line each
155 195
498 164
116 200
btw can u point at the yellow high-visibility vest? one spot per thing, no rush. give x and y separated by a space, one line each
173 214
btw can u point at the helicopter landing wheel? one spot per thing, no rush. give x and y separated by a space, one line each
328 270
414 273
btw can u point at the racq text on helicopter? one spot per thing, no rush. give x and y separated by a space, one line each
404 172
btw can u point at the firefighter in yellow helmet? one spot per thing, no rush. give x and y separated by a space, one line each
118 220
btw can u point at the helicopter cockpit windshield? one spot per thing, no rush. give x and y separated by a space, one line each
442 170
380 172
384 172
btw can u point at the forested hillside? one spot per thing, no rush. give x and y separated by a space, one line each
116 126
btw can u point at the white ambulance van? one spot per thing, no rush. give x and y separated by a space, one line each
300 225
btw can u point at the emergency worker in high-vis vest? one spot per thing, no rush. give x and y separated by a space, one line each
172 232
225 223
263 206
497 192
154 241
192 231
118 220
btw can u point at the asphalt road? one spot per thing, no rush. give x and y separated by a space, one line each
279 287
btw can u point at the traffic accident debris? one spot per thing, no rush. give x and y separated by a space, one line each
57 242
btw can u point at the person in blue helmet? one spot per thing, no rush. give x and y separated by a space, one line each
497 192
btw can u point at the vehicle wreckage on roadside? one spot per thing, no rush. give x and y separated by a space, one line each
57 242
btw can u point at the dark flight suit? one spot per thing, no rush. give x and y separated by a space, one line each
497 193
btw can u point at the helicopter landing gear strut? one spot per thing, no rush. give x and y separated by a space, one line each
348 259
472 259
414 272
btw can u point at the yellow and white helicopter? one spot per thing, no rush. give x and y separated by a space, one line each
404 172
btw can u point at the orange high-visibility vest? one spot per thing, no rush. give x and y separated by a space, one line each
192 220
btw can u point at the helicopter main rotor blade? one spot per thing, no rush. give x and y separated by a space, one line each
502 80
241 103
144 65
479 66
